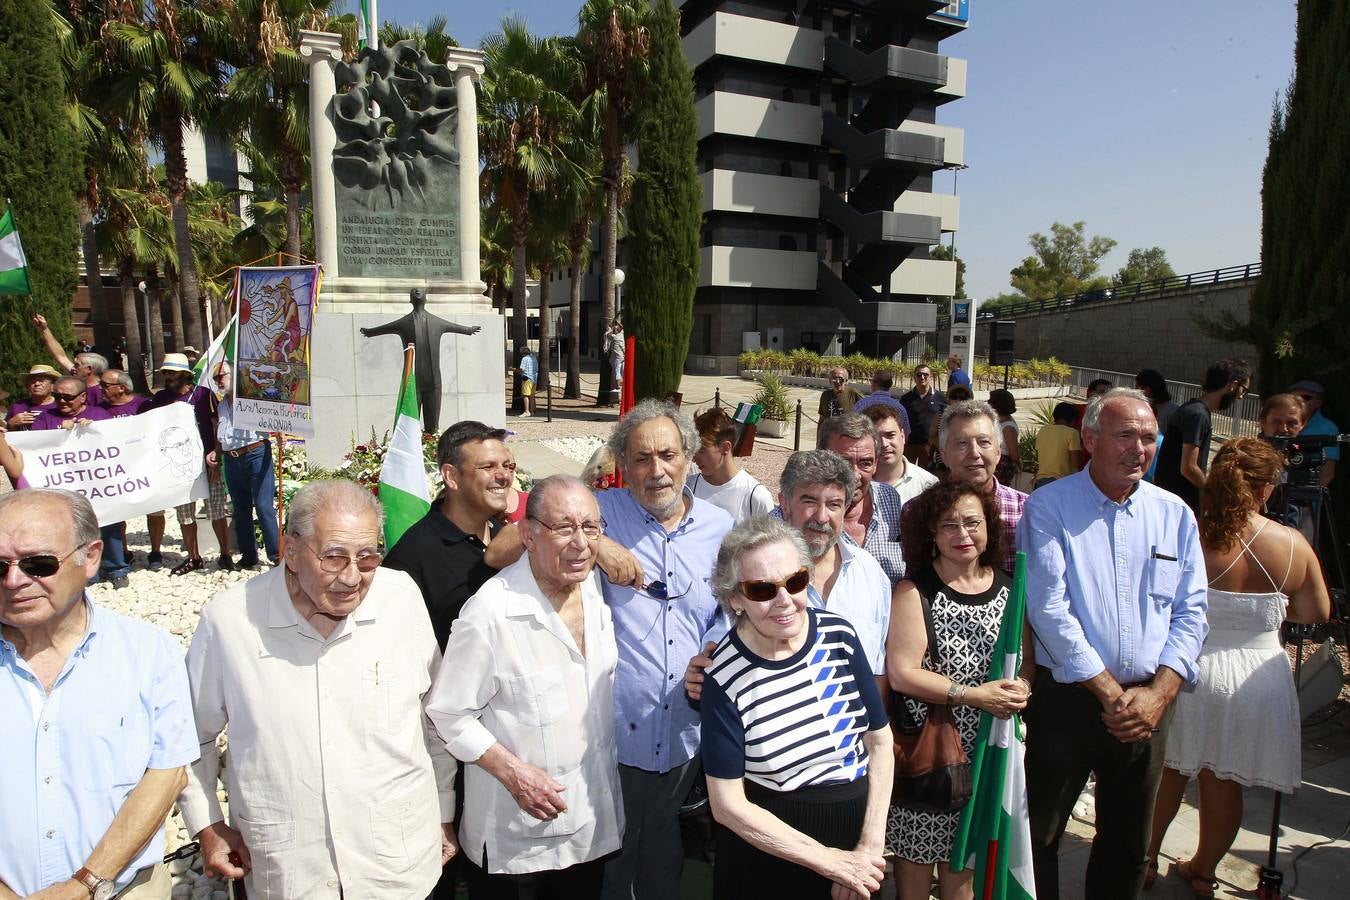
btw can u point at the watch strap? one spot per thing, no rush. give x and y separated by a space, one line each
89 880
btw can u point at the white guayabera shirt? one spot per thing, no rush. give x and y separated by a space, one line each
533 692
336 778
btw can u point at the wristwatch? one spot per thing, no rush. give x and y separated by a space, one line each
99 888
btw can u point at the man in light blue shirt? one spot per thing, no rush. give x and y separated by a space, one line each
659 627
97 718
1116 599
1311 393
250 477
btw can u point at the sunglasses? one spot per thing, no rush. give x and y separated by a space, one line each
764 591
68 398
43 565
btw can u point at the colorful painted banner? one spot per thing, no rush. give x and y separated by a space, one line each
127 467
271 362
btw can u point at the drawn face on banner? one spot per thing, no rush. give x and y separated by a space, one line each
178 448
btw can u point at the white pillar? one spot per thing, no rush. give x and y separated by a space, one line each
467 66
322 51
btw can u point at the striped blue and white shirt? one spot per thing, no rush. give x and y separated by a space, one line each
796 722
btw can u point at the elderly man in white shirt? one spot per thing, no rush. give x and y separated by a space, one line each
338 784
543 806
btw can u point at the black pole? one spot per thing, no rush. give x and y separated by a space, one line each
1005 376
1271 880
797 432
717 398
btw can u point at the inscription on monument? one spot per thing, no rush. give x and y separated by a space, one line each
396 173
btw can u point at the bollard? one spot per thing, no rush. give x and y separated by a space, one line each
717 398
797 430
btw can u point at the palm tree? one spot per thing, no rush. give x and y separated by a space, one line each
172 62
494 253
267 95
577 200
523 111
265 202
430 39
614 43
137 228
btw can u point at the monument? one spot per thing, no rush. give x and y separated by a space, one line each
394 147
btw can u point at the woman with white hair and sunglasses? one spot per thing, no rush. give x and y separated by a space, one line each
796 745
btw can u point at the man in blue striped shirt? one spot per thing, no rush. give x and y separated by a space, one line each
1116 596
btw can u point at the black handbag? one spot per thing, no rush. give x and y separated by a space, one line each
932 771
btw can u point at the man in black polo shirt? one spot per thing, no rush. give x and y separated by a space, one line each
443 552
924 405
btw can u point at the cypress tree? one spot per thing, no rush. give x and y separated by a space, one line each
1299 321
664 215
40 158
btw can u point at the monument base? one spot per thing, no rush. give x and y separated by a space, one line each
356 379
390 295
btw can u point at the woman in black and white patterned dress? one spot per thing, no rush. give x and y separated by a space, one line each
952 550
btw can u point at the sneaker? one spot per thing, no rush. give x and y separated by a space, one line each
524 415
154 561
191 564
225 564
119 582
246 564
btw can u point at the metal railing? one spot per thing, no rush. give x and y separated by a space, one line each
1242 419
1124 293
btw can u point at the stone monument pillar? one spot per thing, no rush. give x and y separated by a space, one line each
395 210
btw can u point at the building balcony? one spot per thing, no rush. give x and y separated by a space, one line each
886 68
751 267
742 37
953 140
925 278
955 88
946 207
757 117
905 147
725 190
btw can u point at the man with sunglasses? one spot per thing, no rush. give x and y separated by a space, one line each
119 394
535 721
839 397
923 404
98 723
339 785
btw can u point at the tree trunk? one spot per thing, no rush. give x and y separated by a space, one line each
573 389
131 321
175 176
156 297
293 181
176 318
93 279
520 326
545 328
609 260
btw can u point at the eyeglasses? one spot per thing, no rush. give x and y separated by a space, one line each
923 374
67 398
333 563
836 380
44 565
969 526
108 384
764 591
566 530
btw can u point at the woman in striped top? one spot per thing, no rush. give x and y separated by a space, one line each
795 740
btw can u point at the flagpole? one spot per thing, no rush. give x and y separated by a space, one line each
28 273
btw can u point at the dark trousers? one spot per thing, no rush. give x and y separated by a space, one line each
461 869
649 865
579 882
1066 740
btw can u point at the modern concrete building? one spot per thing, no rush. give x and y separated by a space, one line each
818 144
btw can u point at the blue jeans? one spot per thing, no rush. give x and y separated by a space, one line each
114 564
252 484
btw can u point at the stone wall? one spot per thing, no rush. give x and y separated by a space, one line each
1125 336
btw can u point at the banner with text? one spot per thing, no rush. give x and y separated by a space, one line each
271 364
127 467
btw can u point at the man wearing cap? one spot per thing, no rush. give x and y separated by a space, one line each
179 388
88 367
247 460
39 381
1311 393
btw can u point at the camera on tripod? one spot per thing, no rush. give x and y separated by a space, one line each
1304 455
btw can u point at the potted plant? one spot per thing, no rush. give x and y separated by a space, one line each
773 399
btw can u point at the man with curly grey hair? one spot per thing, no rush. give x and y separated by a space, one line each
968 434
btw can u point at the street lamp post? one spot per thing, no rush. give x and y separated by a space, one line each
149 353
617 387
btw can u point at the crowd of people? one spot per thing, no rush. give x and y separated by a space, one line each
527 709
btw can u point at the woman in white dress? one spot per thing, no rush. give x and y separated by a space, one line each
1240 727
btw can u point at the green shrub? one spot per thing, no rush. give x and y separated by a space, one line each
772 396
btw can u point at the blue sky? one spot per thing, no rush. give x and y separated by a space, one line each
1147 120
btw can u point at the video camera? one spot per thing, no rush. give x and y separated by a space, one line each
1305 454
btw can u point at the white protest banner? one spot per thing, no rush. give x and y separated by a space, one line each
126 467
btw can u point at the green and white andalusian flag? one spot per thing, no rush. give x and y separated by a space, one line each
403 476
220 351
994 835
13 264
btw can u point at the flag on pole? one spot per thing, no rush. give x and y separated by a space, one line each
13 264
365 27
994 834
221 350
403 476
